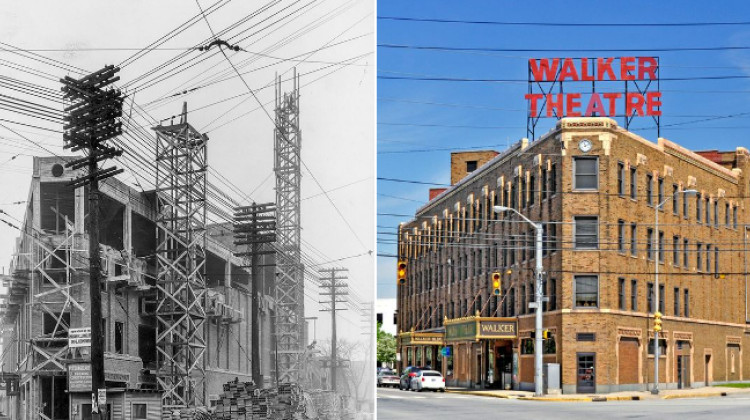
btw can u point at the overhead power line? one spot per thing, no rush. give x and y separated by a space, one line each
565 50
558 24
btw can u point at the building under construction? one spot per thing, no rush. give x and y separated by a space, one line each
45 312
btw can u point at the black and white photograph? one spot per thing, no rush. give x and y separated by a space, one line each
187 224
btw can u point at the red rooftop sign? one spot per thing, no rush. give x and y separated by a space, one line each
582 87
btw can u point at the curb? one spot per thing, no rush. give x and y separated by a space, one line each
701 395
587 399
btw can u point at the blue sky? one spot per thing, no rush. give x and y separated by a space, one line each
420 122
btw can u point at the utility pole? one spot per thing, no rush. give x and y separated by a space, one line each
332 286
92 119
255 225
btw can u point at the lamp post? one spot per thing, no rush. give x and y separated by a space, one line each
655 389
537 300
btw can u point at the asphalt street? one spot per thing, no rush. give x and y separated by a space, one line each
393 404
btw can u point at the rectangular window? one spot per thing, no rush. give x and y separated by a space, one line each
139 411
650 189
585 173
522 299
698 256
633 239
586 291
685 205
633 295
650 244
621 179
621 293
543 183
662 298
685 253
633 184
698 209
661 193
708 211
708 258
118 337
650 297
522 192
676 251
726 216
621 235
675 200
734 216
716 214
532 190
676 301
686 304
552 181
586 232
661 246
552 294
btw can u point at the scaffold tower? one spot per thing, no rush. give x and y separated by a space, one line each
181 258
289 290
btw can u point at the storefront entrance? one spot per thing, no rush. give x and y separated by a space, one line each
586 373
500 373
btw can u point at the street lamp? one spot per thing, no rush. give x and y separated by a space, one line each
655 390
537 304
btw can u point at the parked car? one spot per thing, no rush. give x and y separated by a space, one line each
428 379
388 378
407 375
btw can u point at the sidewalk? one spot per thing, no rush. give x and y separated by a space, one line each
711 391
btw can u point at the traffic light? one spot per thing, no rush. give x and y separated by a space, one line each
401 272
545 334
657 321
496 283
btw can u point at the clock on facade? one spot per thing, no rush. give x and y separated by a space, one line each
584 145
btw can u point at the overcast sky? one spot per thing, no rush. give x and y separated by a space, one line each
330 41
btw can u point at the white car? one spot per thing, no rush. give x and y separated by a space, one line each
428 379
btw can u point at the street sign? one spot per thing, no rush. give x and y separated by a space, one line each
79 337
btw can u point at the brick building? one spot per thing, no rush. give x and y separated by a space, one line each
596 188
48 297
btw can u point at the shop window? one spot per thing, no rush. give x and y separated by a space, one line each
585 173
549 346
140 411
662 347
527 346
586 291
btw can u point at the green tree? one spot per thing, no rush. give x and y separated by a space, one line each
386 346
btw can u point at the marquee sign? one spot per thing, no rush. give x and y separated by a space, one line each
588 87
476 328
